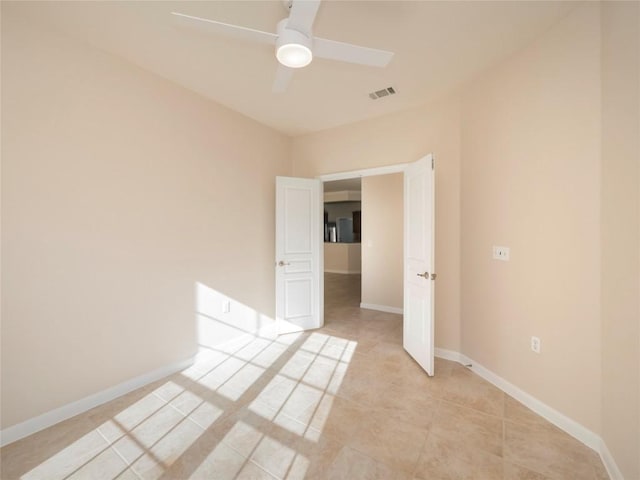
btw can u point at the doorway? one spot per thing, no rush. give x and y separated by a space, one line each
365 271
300 281
418 234
342 247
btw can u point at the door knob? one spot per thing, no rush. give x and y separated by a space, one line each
423 275
282 263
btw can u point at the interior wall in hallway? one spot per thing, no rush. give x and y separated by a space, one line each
382 240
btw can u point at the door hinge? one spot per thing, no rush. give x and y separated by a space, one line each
433 163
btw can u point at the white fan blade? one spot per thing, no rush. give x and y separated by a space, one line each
283 79
346 52
303 13
211 26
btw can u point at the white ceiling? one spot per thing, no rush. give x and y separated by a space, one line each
437 44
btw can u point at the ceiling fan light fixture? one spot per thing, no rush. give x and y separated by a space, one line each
294 55
293 48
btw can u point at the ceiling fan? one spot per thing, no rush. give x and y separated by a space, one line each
294 42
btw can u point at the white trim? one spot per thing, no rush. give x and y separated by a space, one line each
367 172
33 425
561 421
320 260
344 272
448 355
609 462
381 308
573 428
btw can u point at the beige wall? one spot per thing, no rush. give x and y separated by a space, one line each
342 257
528 135
120 191
399 138
621 234
531 181
382 239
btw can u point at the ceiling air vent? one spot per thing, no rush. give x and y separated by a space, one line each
382 93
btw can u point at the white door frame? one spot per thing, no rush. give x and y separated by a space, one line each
365 172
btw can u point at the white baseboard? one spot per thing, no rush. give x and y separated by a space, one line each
449 355
609 462
344 272
381 308
573 428
33 425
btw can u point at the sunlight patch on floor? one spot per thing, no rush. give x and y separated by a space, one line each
262 389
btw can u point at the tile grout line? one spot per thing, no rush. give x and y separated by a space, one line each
426 438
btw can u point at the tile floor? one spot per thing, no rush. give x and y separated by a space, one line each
342 402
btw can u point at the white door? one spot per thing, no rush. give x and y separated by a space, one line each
299 288
419 190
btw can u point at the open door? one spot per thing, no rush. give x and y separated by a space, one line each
419 276
299 288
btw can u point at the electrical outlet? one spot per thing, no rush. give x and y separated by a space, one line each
501 253
535 344
226 306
